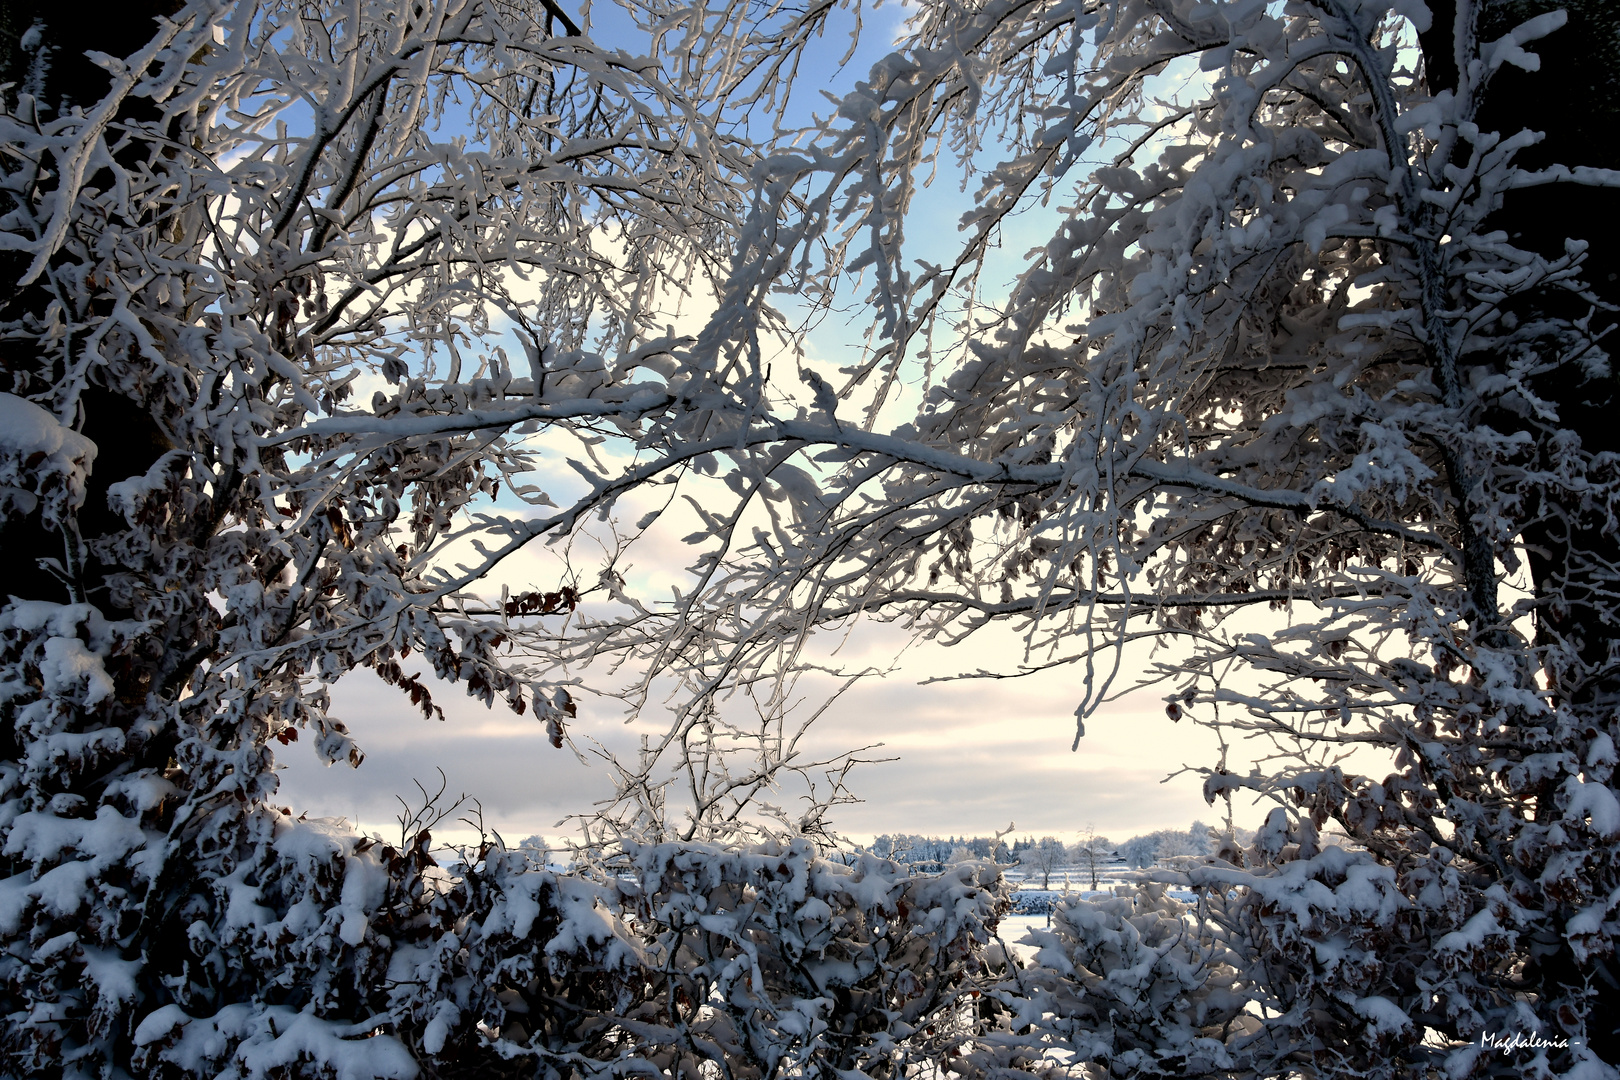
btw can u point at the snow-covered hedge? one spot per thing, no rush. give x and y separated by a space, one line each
354 959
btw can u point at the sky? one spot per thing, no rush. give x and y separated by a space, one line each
946 758
969 758
960 757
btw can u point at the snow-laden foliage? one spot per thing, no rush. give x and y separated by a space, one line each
43 463
265 292
257 348
761 961
1136 984
808 967
1296 341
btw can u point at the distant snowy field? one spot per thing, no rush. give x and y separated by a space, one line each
1014 929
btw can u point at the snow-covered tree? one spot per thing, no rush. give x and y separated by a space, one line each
1092 852
1141 851
1312 330
1044 856
1201 838
289 285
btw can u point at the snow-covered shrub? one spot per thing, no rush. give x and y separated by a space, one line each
773 962
1136 984
78 870
43 463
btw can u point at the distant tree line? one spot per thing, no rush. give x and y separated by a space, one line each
1145 850
1093 853
913 848
1044 855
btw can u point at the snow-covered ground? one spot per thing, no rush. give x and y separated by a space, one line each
1013 928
